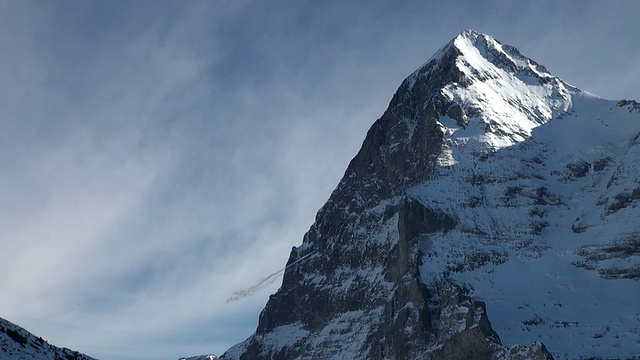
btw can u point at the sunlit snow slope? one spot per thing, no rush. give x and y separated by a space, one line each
544 181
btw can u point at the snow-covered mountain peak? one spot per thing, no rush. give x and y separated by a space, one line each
478 49
486 179
504 94
490 91
470 43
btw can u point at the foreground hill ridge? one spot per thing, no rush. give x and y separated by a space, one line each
17 343
493 205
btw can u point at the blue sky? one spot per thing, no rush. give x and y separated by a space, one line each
157 156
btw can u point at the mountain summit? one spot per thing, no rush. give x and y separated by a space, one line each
492 205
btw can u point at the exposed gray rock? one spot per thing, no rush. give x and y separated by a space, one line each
632 105
464 329
598 257
457 113
536 350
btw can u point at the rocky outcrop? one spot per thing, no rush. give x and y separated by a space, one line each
535 351
612 261
464 330
631 105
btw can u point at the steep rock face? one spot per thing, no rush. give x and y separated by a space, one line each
470 180
17 343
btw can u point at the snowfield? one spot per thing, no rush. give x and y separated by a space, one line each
529 179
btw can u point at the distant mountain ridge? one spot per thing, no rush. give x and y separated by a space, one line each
492 205
17 343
